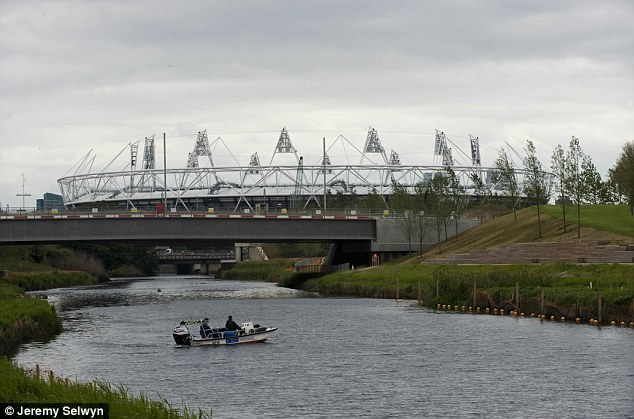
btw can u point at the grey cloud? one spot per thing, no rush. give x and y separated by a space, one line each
119 70
115 41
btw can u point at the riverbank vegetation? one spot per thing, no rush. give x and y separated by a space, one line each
273 270
41 280
101 261
568 290
20 386
24 318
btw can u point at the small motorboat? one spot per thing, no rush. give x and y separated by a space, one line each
248 333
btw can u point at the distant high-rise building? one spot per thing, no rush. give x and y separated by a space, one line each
50 201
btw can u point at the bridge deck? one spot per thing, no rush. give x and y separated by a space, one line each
183 229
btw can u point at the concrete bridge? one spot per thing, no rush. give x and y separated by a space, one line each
186 261
357 238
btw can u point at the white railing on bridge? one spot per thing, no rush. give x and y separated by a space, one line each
98 213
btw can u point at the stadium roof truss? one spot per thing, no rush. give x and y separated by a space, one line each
243 185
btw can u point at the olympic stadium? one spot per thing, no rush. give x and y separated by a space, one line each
133 179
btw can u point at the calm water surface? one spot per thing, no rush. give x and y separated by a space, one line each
335 357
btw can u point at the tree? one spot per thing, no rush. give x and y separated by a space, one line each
535 184
593 185
623 174
558 166
343 200
372 201
402 201
421 211
479 188
505 177
609 192
439 205
574 183
456 195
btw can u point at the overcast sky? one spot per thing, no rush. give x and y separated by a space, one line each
82 75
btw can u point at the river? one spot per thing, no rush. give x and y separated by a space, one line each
335 357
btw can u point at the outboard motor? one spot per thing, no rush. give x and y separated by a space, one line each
181 334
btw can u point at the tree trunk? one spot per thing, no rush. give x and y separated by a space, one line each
539 222
420 241
578 220
439 239
563 206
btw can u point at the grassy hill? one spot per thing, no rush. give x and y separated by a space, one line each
599 222
613 218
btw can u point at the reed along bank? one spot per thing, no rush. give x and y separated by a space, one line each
589 291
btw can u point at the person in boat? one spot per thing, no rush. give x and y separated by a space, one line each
205 329
181 334
231 325
181 329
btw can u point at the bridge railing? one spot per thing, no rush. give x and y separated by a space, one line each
336 213
189 255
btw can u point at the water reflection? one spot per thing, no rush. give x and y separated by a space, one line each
127 292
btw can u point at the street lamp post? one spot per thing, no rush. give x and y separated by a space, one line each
23 194
164 177
323 163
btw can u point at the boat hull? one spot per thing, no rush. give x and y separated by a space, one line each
257 337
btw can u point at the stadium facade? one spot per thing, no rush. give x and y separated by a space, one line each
287 181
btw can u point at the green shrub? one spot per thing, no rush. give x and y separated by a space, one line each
274 270
125 271
33 281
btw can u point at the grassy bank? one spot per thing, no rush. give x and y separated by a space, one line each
20 386
23 318
505 229
274 270
566 288
42 280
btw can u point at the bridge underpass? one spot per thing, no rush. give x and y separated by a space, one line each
185 261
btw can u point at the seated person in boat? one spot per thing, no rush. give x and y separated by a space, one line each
231 325
205 329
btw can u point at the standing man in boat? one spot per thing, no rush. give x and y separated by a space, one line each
231 325
181 334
